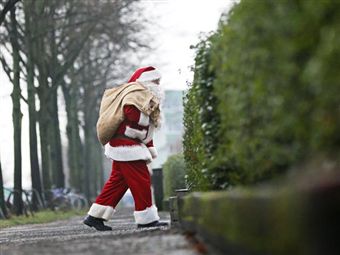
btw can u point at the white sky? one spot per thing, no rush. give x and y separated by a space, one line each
178 24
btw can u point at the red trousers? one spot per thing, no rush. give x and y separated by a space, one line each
124 175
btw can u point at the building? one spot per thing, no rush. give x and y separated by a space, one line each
168 139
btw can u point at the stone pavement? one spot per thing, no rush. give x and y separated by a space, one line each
73 237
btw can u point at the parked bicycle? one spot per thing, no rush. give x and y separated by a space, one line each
9 201
66 199
55 199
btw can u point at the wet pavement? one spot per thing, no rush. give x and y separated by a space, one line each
73 237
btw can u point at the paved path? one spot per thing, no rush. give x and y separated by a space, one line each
73 237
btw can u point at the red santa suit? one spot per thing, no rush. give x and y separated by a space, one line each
130 149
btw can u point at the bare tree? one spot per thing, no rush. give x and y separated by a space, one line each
7 6
2 198
80 47
16 114
32 114
99 65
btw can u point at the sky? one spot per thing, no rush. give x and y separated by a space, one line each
176 26
180 23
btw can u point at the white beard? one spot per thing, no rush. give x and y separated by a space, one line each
158 92
155 89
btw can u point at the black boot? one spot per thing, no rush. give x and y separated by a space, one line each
97 223
153 224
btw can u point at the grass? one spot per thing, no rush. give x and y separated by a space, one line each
40 217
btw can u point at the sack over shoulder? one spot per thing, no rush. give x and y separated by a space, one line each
111 112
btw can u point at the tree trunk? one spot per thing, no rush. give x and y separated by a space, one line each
87 161
91 154
55 142
2 198
55 139
44 126
39 46
16 115
35 169
94 174
44 150
93 158
99 163
75 150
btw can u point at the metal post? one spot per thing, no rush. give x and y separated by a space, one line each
157 183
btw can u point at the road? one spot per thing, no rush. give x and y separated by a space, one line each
73 237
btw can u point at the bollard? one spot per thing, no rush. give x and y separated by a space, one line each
180 193
157 183
174 205
173 208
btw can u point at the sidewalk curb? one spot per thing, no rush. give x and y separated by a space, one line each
265 220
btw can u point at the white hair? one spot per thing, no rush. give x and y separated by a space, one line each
155 89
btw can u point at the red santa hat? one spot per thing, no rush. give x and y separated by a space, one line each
145 74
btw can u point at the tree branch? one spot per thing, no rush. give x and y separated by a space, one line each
25 100
6 68
8 6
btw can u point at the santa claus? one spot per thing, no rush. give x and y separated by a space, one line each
129 114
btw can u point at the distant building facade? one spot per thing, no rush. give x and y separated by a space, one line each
168 139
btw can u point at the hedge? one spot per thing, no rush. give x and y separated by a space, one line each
200 118
271 71
174 175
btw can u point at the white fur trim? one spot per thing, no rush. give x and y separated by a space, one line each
149 76
153 152
128 153
101 211
135 133
143 119
146 216
151 173
153 196
149 137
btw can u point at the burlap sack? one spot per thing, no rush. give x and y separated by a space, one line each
111 108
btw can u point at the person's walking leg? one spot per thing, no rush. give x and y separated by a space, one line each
138 179
106 201
113 190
